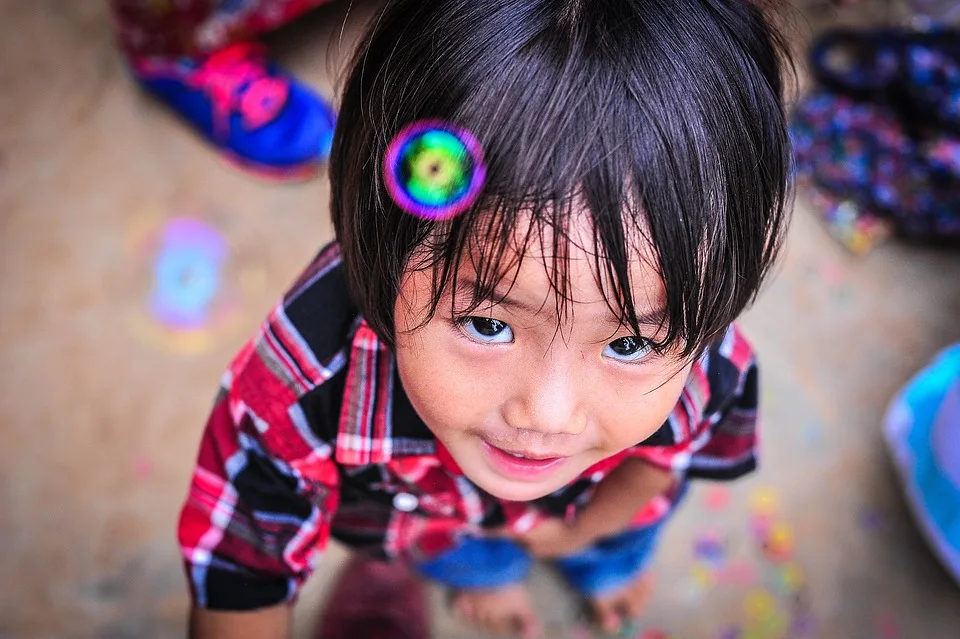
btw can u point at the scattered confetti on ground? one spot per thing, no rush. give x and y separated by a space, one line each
776 603
759 526
764 501
871 519
860 231
803 624
187 282
716 498
703 576
779 543
764 618
730 633
833 274
708 548
790 579
758 604
143 467
739 573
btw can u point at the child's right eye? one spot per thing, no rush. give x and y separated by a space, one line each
486 330
628 349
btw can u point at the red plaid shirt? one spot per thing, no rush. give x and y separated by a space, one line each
312 435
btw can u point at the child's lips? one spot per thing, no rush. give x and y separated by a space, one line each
523 465
530 455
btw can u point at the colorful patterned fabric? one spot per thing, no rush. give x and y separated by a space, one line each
917 73
312 436
861 152
196 27
880 136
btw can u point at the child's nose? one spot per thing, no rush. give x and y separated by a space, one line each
547 400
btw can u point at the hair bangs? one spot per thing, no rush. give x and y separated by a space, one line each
662 122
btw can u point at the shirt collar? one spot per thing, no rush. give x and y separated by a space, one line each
365 430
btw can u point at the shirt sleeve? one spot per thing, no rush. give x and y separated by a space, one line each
731 449
721 443
262 496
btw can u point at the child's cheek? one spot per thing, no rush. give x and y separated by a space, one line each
650 410
443 388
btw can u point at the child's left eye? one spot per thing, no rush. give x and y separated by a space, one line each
628 349
487 330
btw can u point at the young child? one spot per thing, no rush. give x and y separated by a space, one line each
540 375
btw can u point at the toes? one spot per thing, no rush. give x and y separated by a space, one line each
498 613
607 617
643 593
521 623
639 596
507 625
613 611
530 628
495 623
526 625
464 607
487 620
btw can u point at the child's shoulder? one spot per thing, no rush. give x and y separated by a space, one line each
726 365
317 311
304 340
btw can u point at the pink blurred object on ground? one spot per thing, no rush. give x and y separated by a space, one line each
376 600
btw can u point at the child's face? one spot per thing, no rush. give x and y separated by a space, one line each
523 405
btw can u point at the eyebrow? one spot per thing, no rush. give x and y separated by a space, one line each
651 317
469 285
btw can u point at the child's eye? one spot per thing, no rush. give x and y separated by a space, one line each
628 349
486 330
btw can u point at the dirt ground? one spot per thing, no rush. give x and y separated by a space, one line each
101 409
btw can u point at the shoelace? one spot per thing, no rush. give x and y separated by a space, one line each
236 80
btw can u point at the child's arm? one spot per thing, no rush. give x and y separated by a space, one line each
259 506
266 623
618 498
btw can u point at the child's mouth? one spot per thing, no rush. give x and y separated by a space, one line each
520 465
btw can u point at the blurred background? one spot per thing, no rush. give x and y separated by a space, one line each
102 400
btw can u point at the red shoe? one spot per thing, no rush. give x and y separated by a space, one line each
375 600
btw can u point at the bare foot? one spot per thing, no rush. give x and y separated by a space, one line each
614 609
499 611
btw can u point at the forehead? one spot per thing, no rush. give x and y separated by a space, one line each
546 270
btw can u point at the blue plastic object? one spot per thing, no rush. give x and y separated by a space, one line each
923 434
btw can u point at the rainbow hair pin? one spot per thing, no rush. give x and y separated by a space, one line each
434 169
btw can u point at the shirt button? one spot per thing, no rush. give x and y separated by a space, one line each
405 502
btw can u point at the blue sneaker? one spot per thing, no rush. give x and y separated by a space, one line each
260 117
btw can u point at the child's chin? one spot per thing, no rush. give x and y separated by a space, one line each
512 490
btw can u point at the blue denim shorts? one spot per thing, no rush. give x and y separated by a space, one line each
608 565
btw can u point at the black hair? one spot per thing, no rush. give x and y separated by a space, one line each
663 118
